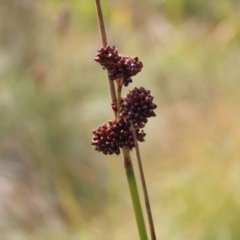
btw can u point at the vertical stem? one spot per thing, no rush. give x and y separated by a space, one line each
104 43
144 186
101 23
119 91
134 194
126 155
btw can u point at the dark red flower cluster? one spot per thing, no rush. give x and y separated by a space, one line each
112 136
135 108
138 106
118 66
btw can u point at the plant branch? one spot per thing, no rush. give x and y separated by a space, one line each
144 186
104 43
134 194
119 91
101 23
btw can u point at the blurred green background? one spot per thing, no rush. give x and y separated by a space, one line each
53 185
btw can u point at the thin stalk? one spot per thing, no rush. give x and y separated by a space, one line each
101 23
134 194
119 91
144 186
104 43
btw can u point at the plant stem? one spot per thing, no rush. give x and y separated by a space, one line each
144 186
119 91
134 194
101 23
104 43
126 153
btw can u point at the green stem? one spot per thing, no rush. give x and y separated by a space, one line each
134 194
144 186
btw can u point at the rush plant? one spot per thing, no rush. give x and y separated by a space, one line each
131 114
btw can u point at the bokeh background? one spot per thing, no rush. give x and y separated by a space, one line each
53 185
